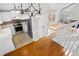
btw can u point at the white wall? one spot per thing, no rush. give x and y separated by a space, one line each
5 16
58 6
45 8
75 11
6 6
9 6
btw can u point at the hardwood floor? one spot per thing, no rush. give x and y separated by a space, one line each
43 47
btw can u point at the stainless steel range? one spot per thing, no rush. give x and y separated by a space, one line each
18 27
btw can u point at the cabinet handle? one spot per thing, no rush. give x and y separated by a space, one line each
43 27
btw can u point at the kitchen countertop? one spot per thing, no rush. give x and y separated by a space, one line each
12 22
56 26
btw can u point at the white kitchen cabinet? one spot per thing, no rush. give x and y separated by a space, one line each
43 25
11 28
35 26
6 43
39 26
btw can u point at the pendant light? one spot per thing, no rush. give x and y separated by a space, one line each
22 12
14 10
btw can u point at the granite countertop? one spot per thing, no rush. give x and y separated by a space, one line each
56 26
70 21
12 22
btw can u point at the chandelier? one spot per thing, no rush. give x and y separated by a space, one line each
31 10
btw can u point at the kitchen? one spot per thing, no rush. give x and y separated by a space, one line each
15 26
17 29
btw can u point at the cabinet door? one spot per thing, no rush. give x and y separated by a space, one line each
11 28
6 44
43 25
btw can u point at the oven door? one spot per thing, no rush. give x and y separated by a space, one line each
18 28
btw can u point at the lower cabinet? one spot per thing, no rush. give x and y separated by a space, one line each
12 29
6 43
39 26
